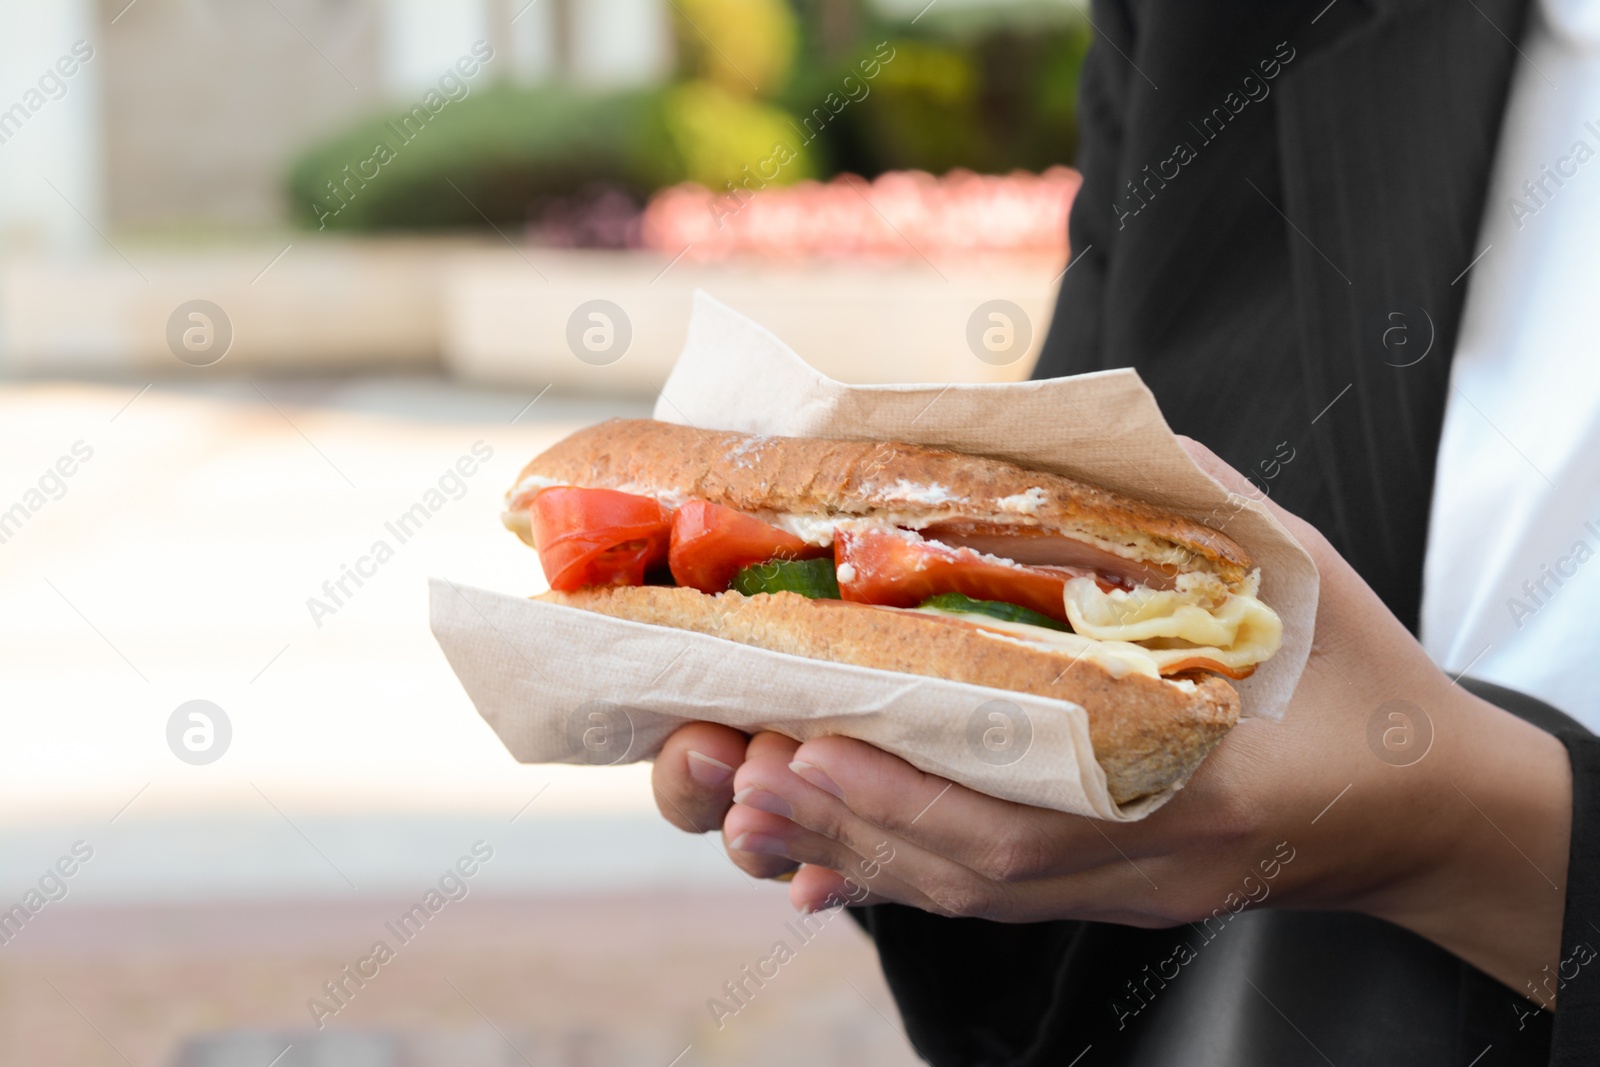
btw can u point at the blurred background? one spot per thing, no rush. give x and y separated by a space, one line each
268 270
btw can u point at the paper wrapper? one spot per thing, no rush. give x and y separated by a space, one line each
561 685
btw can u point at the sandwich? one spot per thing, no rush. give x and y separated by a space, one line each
912 559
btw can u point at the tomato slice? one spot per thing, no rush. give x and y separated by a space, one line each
899 569
711 544
1038 547
598 536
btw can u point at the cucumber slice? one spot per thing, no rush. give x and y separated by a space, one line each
958 604
814 578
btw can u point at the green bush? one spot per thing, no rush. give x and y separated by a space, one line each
750 49
988 97
991 89
717 134
504 149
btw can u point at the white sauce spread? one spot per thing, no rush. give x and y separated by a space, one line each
1026 502
913 493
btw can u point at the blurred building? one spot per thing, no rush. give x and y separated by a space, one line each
145 149
185 111
52 182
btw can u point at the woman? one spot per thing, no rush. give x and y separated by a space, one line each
1282 203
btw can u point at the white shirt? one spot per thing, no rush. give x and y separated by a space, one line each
1512 574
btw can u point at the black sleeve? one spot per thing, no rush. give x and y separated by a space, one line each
972 991
1577 1024
1575 982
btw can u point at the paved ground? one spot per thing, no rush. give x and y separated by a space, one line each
619 981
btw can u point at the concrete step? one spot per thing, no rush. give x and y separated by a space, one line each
298 305
506 315
521 320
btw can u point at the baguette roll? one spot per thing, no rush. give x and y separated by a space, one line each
1147 732
964 567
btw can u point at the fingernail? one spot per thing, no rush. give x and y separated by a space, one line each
764 844
707 771
762 799
814 775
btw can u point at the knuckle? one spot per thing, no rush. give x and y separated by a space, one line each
834 825
827 820
1013 857
962 898
1183 899
900 816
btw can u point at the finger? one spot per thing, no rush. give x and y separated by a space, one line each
752 837
760 842
760 823
769 743
818 889
693 775
812 825
756 842
827 833
999 840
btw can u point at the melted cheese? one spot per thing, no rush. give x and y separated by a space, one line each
1119 658
1177 625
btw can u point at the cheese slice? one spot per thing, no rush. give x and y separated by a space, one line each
1174 625
1119 658
1150 631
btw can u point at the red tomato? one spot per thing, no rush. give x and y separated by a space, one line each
598 536
899 569
711 544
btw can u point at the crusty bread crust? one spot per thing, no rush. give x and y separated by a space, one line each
1147 733
815 476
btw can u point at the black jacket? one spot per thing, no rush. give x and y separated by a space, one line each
1280 199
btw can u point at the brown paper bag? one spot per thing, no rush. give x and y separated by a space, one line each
560 685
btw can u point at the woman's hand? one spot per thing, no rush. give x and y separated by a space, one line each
1466 845
694 784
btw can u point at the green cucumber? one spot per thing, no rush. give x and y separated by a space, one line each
959 604
814 578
